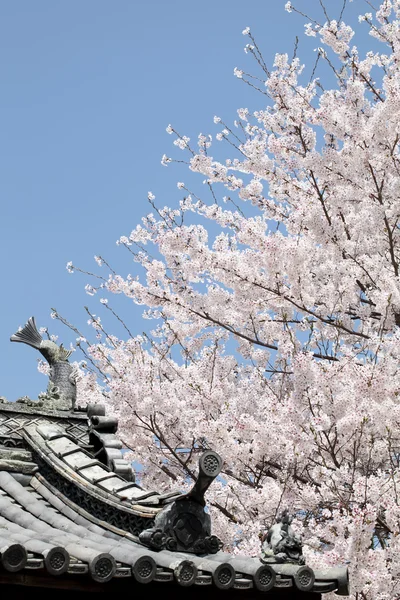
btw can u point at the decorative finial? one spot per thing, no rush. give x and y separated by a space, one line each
61 390
281 544
183 525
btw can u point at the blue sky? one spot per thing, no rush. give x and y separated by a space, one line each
88 88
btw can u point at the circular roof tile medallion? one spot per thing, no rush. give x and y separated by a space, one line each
304 579
102 568
210 463
14 558
224 576
264 578
187 528
144 569
185 573
57 561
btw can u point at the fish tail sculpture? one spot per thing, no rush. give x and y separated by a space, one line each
61 390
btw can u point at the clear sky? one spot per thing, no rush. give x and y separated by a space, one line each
87 90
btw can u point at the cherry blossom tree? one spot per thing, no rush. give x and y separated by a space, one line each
276 301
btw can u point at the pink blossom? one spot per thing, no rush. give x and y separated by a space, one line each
275 313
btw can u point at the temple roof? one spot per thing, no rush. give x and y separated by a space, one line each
69 507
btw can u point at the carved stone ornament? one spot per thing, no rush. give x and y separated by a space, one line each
184 525
280 544
61 390
107 447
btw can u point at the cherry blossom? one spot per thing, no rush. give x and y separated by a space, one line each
276 312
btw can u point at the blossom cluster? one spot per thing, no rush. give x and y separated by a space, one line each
277 313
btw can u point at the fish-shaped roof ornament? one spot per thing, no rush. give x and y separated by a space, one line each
61 390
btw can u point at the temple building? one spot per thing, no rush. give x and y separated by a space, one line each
73 519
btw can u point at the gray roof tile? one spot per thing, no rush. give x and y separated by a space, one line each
41 527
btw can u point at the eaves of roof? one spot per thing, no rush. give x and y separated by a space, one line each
67 519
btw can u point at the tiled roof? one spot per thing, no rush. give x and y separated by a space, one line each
65 511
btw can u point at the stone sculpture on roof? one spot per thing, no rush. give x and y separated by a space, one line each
61 390
70 508
280 544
